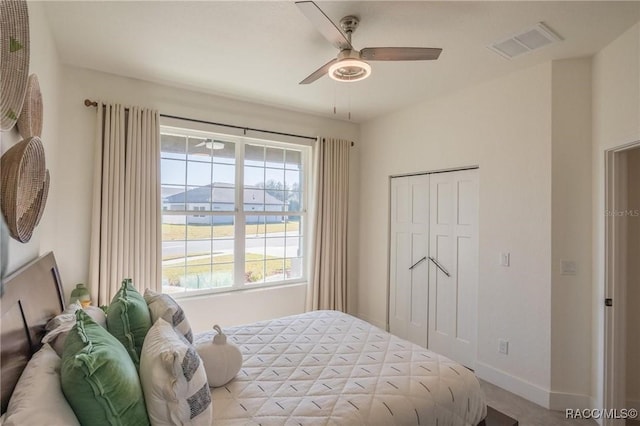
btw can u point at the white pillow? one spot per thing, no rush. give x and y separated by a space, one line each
163 306
173 379
38 398
58 327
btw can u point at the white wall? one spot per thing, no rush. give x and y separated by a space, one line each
76 153
43 62
616 121
633 280
571 233
504 126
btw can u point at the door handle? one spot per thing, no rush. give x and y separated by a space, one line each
418 262
435 262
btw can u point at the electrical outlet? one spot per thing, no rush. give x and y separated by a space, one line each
503 346
505 259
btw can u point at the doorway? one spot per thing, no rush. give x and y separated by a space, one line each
622 281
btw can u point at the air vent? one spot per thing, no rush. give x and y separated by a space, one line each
526 41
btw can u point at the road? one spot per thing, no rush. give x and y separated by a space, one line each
278 246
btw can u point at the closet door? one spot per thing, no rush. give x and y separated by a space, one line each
408 290
453 265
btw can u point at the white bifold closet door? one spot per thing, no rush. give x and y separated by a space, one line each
434 262
408 263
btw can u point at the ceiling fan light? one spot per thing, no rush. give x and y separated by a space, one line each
349 70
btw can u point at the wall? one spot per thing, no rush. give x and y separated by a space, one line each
504 126
616 121
633 280
43 62
571 233
74 209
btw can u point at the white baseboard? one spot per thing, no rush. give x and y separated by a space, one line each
532 392
513 384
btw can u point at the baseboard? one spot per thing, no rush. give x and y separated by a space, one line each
513 384
563 400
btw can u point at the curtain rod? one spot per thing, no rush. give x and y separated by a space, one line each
90 103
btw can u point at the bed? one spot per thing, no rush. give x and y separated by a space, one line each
321 367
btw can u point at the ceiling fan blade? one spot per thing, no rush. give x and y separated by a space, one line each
324 25
319 72
201 144
400 53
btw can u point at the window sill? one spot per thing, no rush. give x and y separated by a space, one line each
201 294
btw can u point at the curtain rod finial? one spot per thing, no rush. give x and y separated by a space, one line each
89 103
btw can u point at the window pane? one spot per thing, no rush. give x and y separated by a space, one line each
224 198
254 271
224 152
199 227
172 276
223 227
275 270
254 155
173 228
198 174
173 197
198 252
292 180
293 160
172 172
275 158
222 275
293 247
274 179
294 202
173 252
173 146
253 177
294 267
199 149
198 277
224 174
253 200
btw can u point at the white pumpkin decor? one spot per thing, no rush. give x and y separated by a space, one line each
222 360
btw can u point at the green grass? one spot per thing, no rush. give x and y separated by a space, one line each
222 265
173 232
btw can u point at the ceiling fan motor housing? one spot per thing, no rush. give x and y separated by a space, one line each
349 67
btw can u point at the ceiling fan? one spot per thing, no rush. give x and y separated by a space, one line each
211 144
350 64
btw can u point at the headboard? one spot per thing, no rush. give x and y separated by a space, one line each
29 298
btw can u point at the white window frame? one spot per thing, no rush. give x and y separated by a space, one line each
240 214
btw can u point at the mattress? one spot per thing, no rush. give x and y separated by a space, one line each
329 368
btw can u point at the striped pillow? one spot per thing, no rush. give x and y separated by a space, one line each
163 306
173 379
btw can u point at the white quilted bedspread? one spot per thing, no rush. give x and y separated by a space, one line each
329 368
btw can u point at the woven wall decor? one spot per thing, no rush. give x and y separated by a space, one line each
30 120
14 59
24 185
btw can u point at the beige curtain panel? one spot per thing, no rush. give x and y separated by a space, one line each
125 227
328 288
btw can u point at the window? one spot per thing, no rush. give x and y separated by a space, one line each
233 211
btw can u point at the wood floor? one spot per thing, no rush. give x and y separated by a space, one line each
525 412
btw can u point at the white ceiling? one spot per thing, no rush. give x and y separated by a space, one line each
259 51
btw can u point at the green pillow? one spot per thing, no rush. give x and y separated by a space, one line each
128 319
98 377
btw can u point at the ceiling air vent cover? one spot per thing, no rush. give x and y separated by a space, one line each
526 41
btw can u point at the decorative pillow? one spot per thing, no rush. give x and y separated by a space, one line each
173 379
98 377
163 306
37 398
59 326
128 319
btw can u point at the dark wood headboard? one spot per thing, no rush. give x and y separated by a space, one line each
29 297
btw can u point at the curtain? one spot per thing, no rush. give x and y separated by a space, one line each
125 224
328 288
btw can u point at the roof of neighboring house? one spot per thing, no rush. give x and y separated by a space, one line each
223 194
